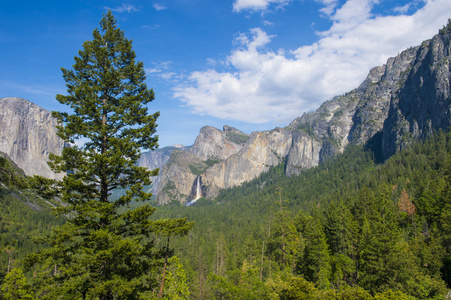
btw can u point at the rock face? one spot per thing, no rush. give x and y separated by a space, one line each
28 135
178 175
405 99
217 144
156 159
423 103
358 115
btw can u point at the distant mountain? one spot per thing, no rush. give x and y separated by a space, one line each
156 159
28 135
212 146
403 100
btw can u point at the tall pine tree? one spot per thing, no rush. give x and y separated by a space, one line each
105 250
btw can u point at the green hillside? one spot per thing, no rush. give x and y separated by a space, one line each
349 222
350 228
24 214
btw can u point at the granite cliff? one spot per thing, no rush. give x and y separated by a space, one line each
212 146
28 135
156 159
422 104
405 99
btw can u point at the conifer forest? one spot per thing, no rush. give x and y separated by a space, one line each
354 227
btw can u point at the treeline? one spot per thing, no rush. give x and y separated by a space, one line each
347 229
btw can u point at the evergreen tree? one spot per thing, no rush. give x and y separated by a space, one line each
15 286
283 243
175 284
105 250
316 261
339 229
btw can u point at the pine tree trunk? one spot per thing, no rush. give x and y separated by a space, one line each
217 257
103 179
261 264
160 294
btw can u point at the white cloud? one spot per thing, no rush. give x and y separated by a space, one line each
257 5
156 26
124 8
152 70
161 70
403 9
159 6
211 62
264 85
329 6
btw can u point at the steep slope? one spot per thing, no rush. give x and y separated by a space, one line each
358 115
217 144
422 103
156 159
28 135
24 214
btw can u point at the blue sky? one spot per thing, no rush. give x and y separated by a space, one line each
251 64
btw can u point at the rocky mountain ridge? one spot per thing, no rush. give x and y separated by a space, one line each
405 99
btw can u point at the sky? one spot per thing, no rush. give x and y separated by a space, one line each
251 64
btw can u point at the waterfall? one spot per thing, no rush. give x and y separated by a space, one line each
198 192
198 189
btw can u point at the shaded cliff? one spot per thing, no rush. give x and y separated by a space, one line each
156 159
423 103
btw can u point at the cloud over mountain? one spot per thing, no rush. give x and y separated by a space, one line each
262 85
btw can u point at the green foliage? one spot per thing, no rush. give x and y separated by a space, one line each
198 168
351 239
44 187
212 161
288 287
306 128
237 138
316 264
24 215
10 173
16 286
176 287
242 283
361 231
446 29
104 250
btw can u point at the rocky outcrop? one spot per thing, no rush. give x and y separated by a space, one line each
212 143
28 135
423 102
358 115
178 176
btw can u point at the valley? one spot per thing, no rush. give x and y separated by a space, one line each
349 201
